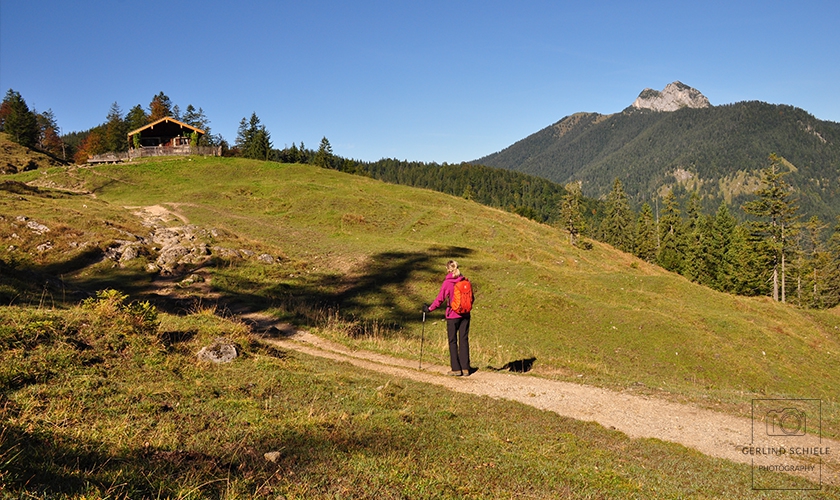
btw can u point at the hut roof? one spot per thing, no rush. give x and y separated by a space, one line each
168 126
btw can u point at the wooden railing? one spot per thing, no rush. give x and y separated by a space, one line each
108 158
145 151
174 151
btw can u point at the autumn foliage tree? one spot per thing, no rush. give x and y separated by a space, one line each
93 144
48 139
160 107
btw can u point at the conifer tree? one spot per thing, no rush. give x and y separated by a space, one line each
253 140
699 261
242 135
750 276
260 147
775 206
115 130
197 119
135 118
671 247
571 218
324 156
18 121
646 234
830 296
293 155
618 225
814 264
694 235
720 252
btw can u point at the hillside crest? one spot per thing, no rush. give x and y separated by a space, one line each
674 96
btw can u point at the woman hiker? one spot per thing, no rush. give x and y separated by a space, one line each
457 319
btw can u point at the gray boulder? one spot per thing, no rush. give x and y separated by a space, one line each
220 351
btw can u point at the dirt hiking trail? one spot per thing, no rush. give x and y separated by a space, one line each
711 433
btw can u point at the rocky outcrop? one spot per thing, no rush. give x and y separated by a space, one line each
674 96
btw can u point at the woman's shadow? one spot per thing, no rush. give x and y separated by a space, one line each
518 366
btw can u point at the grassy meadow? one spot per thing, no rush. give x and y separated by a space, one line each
356 260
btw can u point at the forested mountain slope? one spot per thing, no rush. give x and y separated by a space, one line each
717 151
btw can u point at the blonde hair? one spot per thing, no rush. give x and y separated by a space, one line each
452 267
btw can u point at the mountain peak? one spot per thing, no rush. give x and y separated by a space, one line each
674 96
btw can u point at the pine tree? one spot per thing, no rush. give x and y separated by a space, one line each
242 135
618 225
830 296
18 121
699 261
571 217
750 276
115 130
646 234
260 147
135 118
324 156
197 119
292 154
671 249
814 264
723 261
253 140
694 235
774 203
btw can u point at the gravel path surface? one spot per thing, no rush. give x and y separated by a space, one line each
714 434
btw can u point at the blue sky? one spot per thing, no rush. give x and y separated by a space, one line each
430 81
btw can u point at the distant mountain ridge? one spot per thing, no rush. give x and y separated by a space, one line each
675 140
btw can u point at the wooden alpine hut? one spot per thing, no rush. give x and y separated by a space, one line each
166 137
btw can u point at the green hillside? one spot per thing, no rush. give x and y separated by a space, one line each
16 158
354 259
717 151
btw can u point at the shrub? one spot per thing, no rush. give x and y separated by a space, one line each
121 324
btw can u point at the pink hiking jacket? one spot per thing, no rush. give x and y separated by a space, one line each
447 289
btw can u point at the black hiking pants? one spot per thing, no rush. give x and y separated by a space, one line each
458 330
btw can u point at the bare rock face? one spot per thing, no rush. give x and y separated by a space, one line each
674 96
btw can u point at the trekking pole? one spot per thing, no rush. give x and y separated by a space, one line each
422 335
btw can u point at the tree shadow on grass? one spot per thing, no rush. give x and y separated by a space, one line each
42 464
382 290
381 294
386 278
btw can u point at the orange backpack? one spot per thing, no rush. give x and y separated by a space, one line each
462 297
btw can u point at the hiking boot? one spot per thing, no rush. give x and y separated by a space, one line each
454 373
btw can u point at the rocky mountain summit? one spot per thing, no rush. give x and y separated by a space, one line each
674 96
